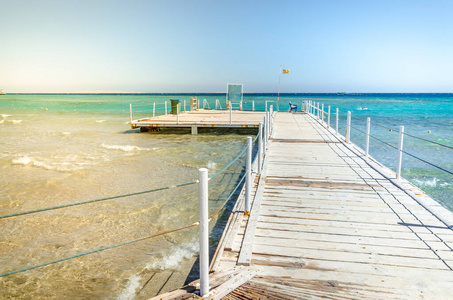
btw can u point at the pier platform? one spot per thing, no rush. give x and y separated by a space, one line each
203 118
327 222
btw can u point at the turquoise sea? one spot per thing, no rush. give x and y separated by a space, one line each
59 149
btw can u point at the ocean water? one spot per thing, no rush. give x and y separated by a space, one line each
59 149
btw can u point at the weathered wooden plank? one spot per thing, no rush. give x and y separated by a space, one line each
347 247
247 242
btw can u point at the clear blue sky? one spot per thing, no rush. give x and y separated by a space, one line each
200 46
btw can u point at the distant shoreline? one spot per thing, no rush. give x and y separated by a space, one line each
224 93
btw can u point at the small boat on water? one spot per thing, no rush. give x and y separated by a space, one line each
2 92
343 93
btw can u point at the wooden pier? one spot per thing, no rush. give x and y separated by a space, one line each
202 118
327 222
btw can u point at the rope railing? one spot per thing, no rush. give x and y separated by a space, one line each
97 200
124 195
429 141
315 111
409 154
95 251
427 162
126 242
260 133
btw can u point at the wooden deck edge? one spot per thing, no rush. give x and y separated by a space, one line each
236 281
230 229
219 283
245 254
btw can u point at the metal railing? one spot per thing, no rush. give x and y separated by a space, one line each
317 111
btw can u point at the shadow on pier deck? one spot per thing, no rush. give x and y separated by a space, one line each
326 222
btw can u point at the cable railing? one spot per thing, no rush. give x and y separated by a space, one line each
316 110
261 139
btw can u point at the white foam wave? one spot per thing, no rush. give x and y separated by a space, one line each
5 116
131 287
126 148
1 121
362 108
62 164
16 121
429 183
173 260
211 165
100 121
24 160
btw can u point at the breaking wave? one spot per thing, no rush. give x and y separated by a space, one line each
131 287
173 260
126 148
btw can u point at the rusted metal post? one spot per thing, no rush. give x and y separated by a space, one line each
203 230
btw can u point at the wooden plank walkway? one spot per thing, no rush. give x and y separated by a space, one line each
328 223
203 118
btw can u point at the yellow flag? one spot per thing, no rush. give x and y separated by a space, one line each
285 71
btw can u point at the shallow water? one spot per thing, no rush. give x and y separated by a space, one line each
53 157
60 149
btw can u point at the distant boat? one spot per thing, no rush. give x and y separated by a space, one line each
343 93
2 92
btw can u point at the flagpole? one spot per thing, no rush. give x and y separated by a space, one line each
278 94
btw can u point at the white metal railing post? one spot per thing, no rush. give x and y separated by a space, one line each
328 117
260 146
318 110
165 107
264 134
231 113
322 112
400 153
216 100
367 142
253 105
336 121
203 230
130 111
184 105
348 128
265 106
271 113
177 112
248 175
